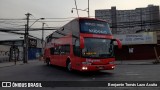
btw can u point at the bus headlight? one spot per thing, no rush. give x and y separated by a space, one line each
113 67
84 68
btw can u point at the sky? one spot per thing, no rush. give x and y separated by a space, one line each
13 9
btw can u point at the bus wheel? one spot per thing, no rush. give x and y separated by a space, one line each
48 62
69 66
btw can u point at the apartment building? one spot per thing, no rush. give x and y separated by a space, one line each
131 21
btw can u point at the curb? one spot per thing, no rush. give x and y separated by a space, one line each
9 64
135 62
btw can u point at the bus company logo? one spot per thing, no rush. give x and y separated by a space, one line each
6 84
92 60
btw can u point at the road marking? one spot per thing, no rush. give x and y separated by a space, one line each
131 73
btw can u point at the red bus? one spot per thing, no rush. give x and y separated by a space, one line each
83 44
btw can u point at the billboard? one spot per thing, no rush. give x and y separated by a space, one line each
140 38
32 42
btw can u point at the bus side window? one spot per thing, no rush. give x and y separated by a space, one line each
62 52
77 50
56 51
52 51
65 49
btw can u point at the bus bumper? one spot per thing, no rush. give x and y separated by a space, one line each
97 67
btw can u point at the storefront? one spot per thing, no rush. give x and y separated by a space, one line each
141 46
11 50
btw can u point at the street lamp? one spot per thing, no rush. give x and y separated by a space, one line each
87 9
36 21
80 9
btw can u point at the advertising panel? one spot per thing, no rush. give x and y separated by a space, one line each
140 38
32 42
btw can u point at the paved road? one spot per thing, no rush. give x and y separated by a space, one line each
38 71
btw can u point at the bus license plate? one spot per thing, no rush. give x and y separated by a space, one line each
100 67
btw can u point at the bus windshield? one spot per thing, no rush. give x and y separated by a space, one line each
97 48
94 26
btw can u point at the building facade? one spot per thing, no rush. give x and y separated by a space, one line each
139 46
11 50
131 21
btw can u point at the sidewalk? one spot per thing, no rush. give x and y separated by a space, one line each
122 62
134 62
8 64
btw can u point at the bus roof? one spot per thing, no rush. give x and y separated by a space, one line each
90 19
78 18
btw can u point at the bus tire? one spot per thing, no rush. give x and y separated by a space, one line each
69 66
48 62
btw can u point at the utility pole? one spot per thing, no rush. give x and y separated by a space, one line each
26 39
24 47
42 39
76 8
141 19
88 8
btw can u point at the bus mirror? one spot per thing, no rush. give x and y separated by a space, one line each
118 43
81 42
